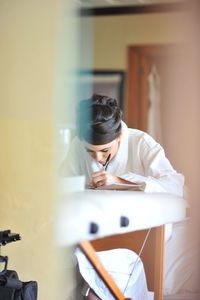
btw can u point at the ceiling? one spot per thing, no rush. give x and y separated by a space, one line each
115 3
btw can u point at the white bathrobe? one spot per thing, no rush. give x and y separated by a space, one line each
139 159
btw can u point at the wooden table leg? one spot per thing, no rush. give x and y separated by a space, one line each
159 262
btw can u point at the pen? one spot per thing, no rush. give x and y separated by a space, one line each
107 162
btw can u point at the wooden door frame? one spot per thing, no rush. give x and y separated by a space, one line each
137 109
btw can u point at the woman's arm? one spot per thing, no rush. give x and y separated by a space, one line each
159 175
155 170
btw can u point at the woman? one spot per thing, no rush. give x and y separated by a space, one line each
134 156
106 151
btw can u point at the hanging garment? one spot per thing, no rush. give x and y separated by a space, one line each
154 113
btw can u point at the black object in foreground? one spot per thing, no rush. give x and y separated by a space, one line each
7 237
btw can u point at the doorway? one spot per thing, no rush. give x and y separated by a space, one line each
140 61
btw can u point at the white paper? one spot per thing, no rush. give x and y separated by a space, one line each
122 186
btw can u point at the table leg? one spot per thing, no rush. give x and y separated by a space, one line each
159 262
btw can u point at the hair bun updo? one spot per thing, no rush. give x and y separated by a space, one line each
104 100
99 119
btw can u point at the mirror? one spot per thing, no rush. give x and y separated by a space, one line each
152 51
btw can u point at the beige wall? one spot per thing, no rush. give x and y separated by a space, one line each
28 34
113 34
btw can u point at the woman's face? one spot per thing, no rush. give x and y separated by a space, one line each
100 152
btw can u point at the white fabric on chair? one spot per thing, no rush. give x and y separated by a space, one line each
119 263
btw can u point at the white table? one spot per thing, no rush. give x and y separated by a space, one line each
93 219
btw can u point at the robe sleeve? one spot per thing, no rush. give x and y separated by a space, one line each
159 175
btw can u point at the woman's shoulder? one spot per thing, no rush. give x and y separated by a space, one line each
141 137
76 142
131 132
136 134
76 146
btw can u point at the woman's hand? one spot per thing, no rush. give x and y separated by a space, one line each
101 178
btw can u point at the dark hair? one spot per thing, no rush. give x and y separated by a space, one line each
99 119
